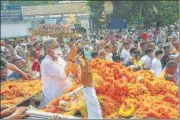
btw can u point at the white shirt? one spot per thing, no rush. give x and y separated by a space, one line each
54 79
146 60
109 56
93 106
156 67
25 44
17 47
125 54
175 34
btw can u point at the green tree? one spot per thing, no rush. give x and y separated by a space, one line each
96 9
159 12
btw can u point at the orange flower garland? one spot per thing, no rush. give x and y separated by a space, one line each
117 85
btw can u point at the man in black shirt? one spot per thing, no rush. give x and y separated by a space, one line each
166 55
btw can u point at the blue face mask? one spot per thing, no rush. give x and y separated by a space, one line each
88 54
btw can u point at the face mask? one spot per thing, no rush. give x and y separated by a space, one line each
58 52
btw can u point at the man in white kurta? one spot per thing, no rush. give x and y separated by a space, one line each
53 77
55 82
156 63
125 52
146 59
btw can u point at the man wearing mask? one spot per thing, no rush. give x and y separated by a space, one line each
156 63
125 53
54 71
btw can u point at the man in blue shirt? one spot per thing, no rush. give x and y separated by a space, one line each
5 65
21 65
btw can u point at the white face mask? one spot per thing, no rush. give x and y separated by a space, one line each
58 51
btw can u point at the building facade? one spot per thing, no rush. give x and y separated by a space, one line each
32 16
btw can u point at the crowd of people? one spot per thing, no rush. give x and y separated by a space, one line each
138 49
52 59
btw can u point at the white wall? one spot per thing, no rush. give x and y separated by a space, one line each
14 29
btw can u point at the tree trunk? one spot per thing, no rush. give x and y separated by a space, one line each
157 25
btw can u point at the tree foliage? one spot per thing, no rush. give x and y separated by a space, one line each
96 9
159 12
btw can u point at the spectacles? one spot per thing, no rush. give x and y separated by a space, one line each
53 47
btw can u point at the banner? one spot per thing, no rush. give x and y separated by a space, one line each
11 14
